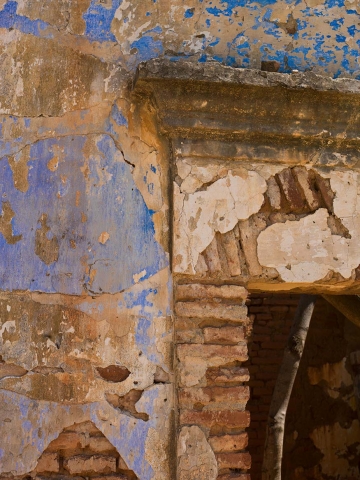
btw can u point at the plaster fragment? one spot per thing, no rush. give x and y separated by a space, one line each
11 370
198 216
138 276
19 167
335 461
46 248
196 458
104 237
6 228
308 249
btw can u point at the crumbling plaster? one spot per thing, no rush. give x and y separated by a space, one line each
85 201
304 249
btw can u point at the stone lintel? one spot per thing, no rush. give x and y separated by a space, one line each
246 114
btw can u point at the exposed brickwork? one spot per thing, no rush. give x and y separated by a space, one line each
291 194
80 451
211 333
272 316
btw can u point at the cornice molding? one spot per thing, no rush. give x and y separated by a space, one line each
254 115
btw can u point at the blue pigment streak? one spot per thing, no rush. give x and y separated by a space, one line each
10 19
109 199
118 116
98 19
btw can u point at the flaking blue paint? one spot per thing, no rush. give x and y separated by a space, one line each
112 204
11 20
98 19
129 438
147 47
150 44
337 23
145 340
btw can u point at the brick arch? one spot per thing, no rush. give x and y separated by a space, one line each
81 450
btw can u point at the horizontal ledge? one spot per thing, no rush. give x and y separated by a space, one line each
215 72
214 101
345 288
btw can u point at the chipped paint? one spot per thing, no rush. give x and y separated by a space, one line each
200 215
84 218
103 178
306 250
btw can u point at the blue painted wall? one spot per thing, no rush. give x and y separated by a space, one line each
324 34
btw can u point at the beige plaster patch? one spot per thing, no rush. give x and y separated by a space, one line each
198 216
333 442
196 458
306 250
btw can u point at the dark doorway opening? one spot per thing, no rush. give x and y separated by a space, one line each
322 437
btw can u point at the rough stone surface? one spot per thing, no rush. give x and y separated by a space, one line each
49 462
212 393
229 443
195 359
196 458
234 460
227 419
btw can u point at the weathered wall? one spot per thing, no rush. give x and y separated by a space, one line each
85 329
228 214
319 35
86 332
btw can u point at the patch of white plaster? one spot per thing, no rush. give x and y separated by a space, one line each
200 215
9 326
306 250
334 374
196 458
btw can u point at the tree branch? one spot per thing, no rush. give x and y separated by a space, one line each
273 453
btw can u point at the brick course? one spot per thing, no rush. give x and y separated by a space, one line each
211 334
81 451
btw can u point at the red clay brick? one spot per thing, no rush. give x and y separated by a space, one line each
228 418
234 313
234 460
224 335
48 462
227 375
82 464
199 291
228 443
232 352
262 391
66 441
234 476
190 397
272 345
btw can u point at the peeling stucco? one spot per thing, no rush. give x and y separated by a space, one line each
200 215
86 203
197 459
306 250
